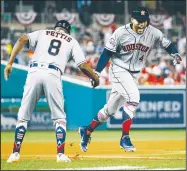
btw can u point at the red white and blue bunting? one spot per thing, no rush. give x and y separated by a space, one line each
70 17
26 18
105 19
157 20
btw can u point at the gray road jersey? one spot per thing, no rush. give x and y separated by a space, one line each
131 49
55 47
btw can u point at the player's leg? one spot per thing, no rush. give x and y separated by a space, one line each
131 95
54 95
32 92
108 110
115 101
124 94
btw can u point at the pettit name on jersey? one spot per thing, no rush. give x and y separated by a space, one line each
137 46
59 35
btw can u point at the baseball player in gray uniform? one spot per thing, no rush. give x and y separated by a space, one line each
128 49
53 48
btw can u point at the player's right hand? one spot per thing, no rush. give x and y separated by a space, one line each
95 82
7 71
177 59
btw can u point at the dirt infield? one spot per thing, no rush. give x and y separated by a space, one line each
161 150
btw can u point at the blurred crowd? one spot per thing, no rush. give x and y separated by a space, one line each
159 69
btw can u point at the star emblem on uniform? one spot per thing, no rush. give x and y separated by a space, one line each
59 142
142 12
21 130
59 130
18 143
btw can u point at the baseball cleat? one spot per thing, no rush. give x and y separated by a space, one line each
85 139
125 143
62 158
14 157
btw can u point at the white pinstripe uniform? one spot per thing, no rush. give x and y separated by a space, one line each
52 48
130 53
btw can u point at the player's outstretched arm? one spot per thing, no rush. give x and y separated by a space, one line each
16 49
88 71
103 60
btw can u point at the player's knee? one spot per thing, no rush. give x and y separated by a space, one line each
22 123
130 108
132 97
102 116
113 105
137 98
60 122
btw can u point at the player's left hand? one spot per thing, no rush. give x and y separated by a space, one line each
177 58
7 71
95 83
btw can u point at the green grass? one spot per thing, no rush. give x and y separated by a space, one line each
171 161
51 164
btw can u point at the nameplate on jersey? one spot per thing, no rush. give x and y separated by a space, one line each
58 34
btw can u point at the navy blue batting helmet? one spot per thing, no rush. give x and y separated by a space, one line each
63 24
140 14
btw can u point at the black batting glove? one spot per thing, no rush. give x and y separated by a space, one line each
177 58
95 83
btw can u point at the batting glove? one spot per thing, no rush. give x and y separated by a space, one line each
177 58
95 83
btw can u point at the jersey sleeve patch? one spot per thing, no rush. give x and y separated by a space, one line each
112 42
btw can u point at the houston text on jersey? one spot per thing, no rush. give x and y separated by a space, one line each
138 46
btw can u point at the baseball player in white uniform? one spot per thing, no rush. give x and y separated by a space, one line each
128 49
53 48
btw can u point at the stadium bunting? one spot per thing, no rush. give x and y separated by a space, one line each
157 20
105 19
26 18
70 17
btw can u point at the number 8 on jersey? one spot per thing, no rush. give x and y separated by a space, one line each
54 47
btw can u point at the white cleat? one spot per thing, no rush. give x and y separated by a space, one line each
62 158
14 157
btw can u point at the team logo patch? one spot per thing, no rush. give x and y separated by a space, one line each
112 42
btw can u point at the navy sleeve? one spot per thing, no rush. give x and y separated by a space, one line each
171 49
103 60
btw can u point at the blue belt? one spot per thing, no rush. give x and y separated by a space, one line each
134 72
49 66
